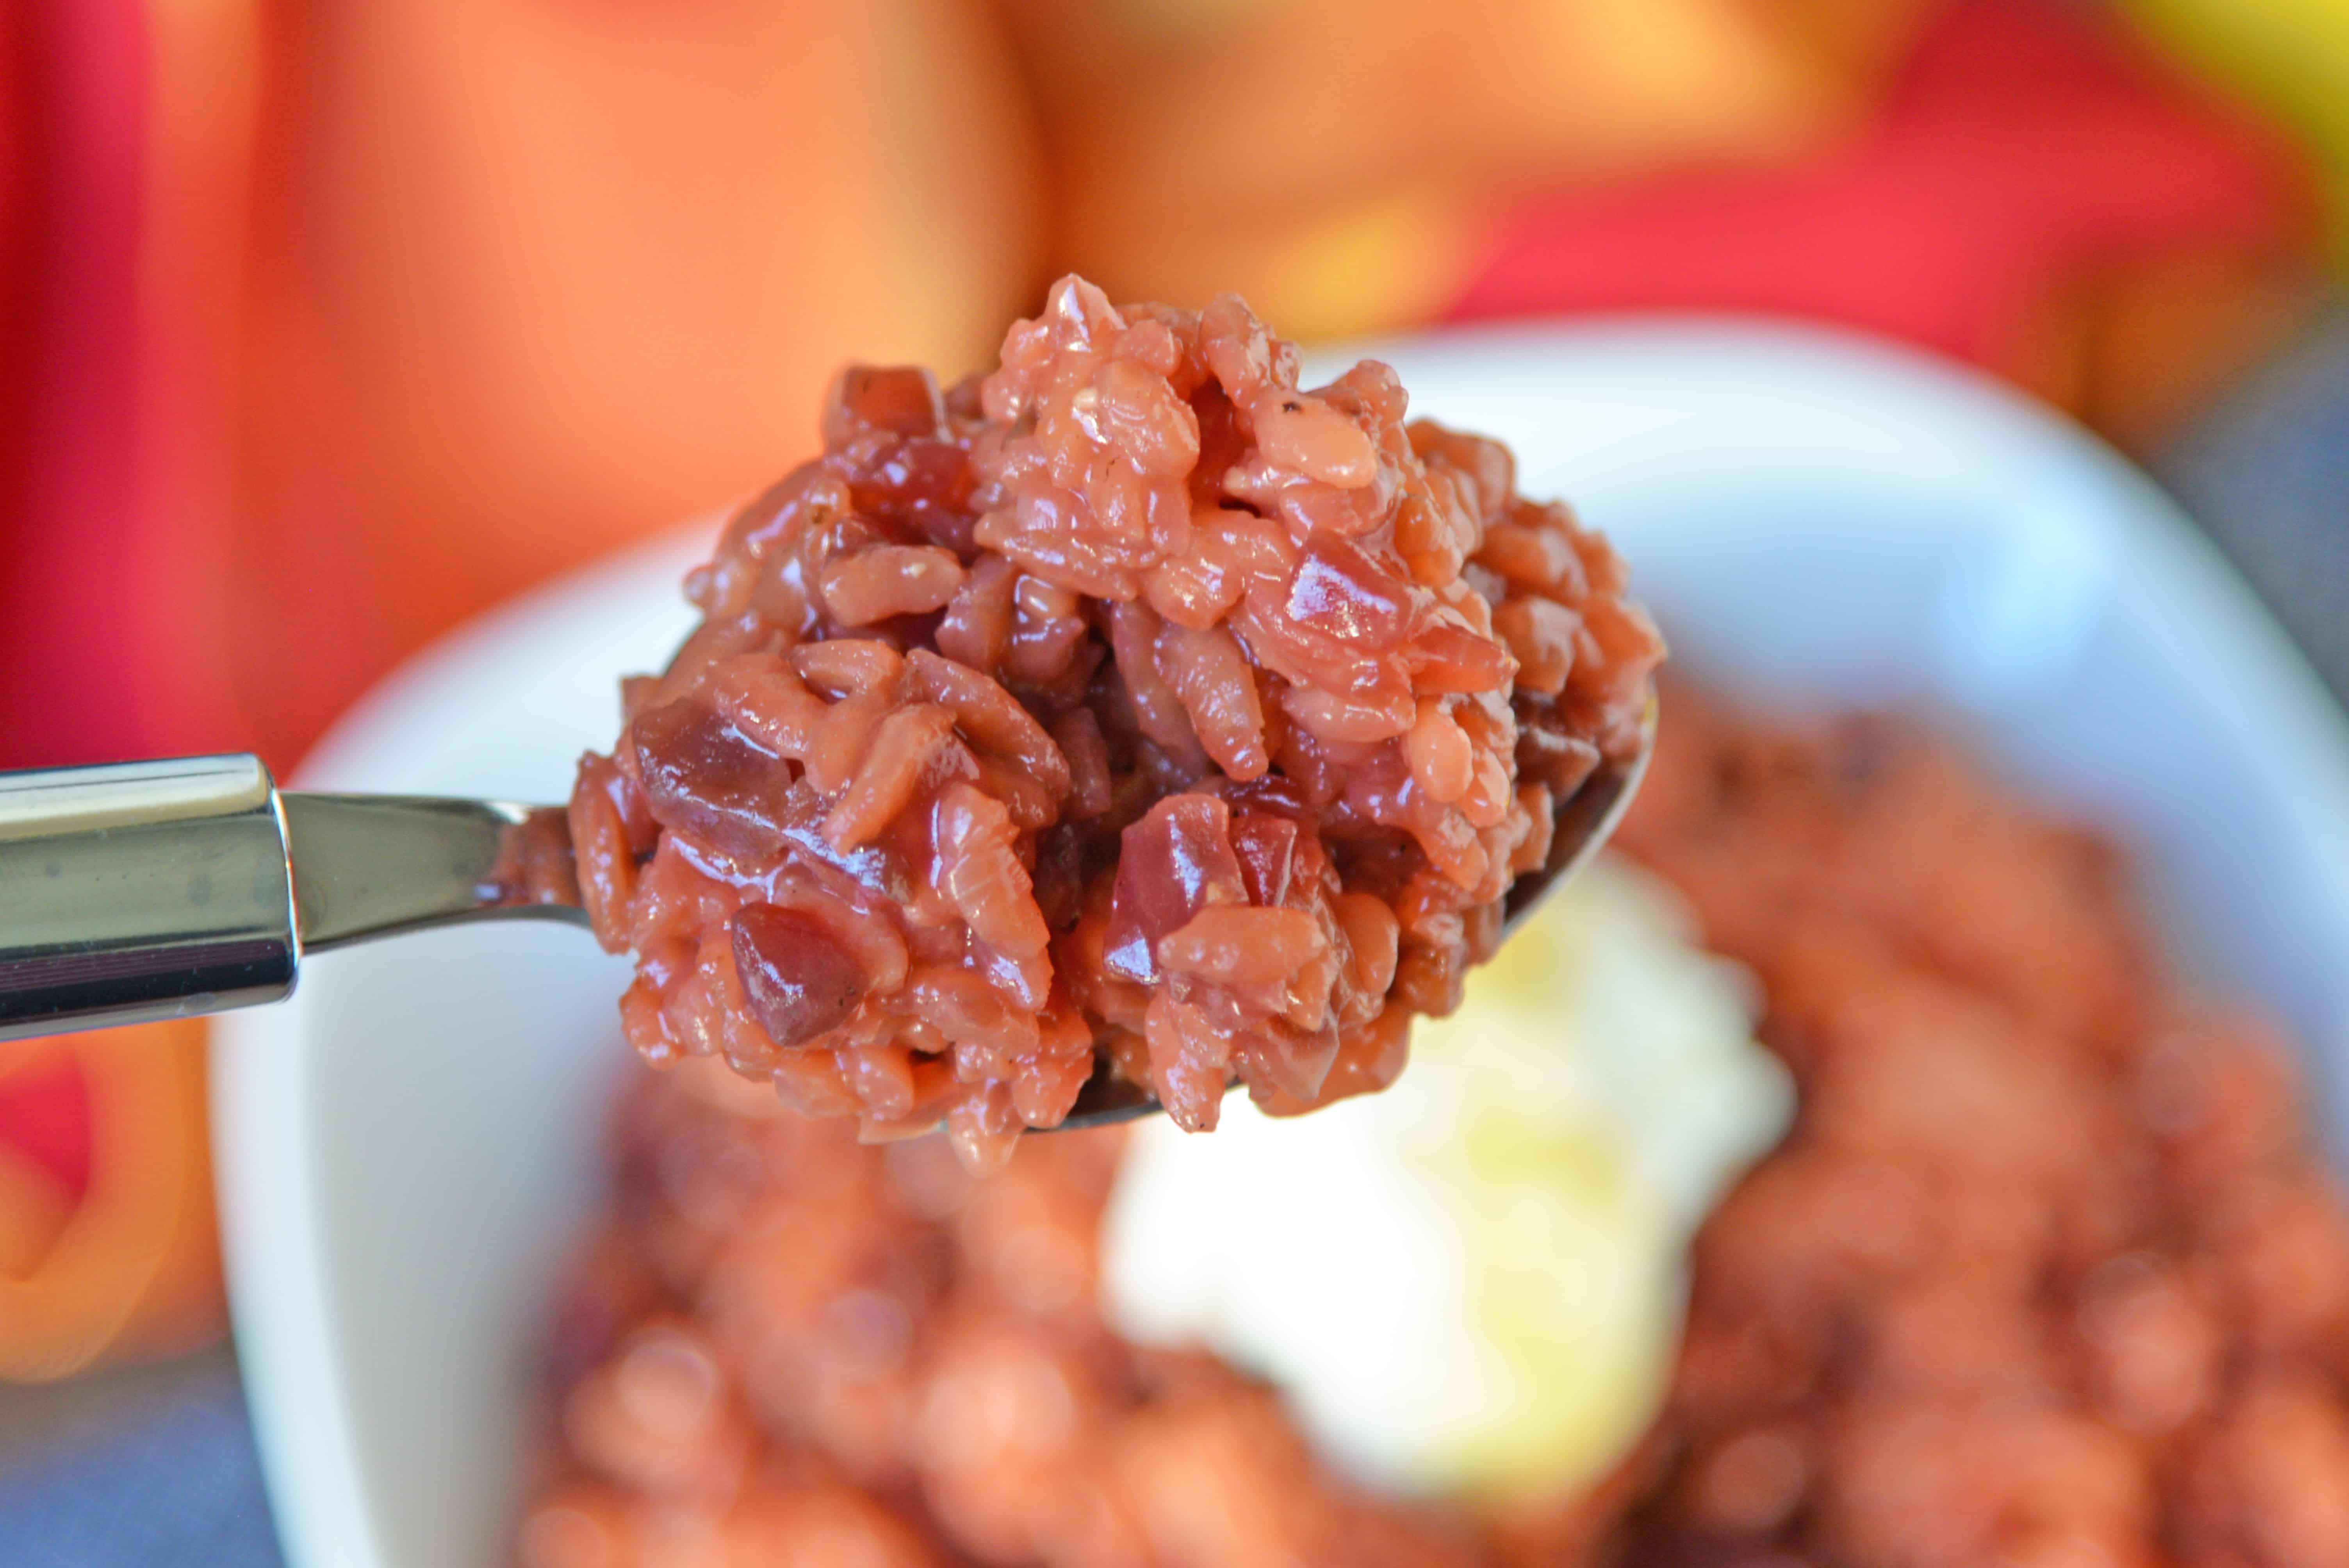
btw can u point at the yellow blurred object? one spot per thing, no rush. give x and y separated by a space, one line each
2290 57
129 1268
1611 1088
1326 159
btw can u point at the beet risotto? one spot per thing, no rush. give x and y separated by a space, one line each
1128 697
2047 1275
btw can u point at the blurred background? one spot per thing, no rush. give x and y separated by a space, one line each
325 325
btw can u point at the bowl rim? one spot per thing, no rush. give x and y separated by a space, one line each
269 1218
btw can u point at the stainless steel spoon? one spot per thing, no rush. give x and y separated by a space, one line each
142 890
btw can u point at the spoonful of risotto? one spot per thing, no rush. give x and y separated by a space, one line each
1111 728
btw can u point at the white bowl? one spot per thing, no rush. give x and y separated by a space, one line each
406 1148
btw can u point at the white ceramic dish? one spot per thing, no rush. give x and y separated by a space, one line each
406 1147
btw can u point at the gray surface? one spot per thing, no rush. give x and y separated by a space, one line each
39 1420
2269 477
152 1466
156 1466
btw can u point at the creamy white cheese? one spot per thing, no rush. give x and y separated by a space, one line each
1473 1282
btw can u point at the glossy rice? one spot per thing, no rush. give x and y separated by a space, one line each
1127 700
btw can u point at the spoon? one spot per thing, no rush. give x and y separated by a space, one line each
141 891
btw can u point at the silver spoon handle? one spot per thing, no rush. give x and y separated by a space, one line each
141 891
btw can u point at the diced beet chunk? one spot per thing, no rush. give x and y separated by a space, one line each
703 780
1548 755
900 399
919 489
921 469
797 977
1171 864
1267 847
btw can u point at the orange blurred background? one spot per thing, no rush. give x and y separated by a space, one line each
328 326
